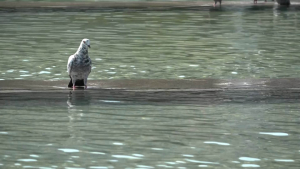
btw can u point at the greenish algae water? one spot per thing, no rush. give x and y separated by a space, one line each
246 122
231 42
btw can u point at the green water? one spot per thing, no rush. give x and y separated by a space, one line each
105 0
104 128
86 130
231 42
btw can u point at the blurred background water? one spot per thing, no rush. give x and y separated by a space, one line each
108 0
93 129
231 42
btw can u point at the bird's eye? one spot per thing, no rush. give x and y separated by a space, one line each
83 41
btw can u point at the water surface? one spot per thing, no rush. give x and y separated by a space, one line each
236 125
88 129
228 42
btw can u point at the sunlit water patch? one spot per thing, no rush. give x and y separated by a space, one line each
274 133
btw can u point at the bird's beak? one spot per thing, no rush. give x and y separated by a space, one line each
89 46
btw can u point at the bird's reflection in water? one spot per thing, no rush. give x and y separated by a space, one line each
77 100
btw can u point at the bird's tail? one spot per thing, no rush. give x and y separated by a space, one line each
79 82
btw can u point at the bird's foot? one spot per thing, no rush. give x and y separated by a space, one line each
85 86
73 87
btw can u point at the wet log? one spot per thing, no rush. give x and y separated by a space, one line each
283 2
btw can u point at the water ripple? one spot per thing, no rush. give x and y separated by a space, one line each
203 162
250 165
248 159
69 150
274 133
218 143
27 160
125 156
227 43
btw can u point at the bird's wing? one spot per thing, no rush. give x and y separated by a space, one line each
70 63
88 63
90 66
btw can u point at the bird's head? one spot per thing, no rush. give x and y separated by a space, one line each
86 42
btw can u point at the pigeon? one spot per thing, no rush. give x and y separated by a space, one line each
79 65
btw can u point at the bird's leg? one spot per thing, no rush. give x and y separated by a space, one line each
85 83
73 81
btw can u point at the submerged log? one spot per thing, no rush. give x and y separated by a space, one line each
283 2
